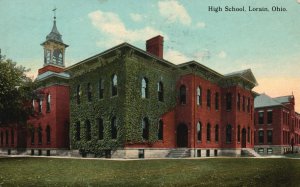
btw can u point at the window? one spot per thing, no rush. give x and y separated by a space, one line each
77 135
48 102
160 91
6 136
269 151
101 89
270 117
160 130
248 138
208 132
100 129
182 94
239 133
113 127
1 138
208 98
244 103
199 133
32 136
217 101
261 137
145 129
12 136
217 133
48 134
199 97
89 92
269 136
88 130
228 134
228 101
114 85
40 137
260 117
239 102
260 150
145 93
248 105
40 102
78 94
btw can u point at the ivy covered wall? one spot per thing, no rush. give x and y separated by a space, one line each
128 106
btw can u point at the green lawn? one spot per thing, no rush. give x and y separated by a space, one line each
185 172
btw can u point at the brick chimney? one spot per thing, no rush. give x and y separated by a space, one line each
155 46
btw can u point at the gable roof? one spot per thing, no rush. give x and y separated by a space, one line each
264 100
244 74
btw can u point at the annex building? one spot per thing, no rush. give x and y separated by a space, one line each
127 102
277 125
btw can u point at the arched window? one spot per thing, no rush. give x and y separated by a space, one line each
248 105
88 130
208 98
238 102
239 133
228 101
12 136
217 133
144 90
114 131
248 138
6 136
244 103
182 94
78 94
101 89
40 136
77 128
40 102
217 101
100 129
199 96
145 129
48 103
114 85
48 134
32 133
1 138
160 130
208 132
160 91
199 133
228 134
89 92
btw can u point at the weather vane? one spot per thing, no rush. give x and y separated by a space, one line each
54 10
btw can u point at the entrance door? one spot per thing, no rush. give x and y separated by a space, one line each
243 138
182 135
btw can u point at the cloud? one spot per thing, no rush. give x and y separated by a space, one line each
116 32
201 55
222 54
200 25
176 57
136 17
173 11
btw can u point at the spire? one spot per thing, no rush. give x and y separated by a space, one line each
54 34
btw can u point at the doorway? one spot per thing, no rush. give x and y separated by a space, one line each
182 135
244 138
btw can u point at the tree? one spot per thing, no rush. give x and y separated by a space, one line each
16 93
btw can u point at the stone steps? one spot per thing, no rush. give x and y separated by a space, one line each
179 153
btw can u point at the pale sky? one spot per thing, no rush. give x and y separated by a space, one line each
266 42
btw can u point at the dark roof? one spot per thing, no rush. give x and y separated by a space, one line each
54 35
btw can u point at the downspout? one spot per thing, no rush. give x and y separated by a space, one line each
195 108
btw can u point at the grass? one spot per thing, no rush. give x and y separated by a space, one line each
185 172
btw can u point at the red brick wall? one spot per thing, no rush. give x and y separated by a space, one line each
57 118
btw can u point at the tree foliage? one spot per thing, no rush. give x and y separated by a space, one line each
16 92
